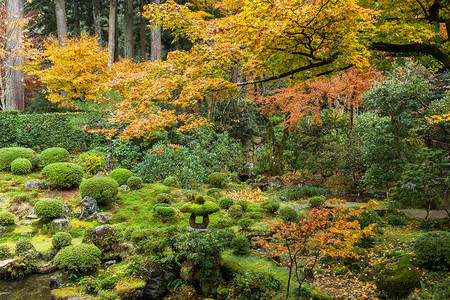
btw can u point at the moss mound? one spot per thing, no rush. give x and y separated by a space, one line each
102 189
396 282
8 155
134 182
207 208
21 166
433 249
63 175
121 175
78 260
48 209
54 155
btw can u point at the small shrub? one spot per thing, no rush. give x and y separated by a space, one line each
245 223
172 181
48 209
240 245
121 175
288 214
369 217
61 240
134 182
339 184
63 175
215 193
21 166
163 198
236 211
254 285
225 202
225 236
429 224
223 224
433 249
4 252
395 282
270 206
78 260
7 218
23 245
217 179
8 155
102 189
166 212
395 220
293 193
92 162
243 204
54 155
315 202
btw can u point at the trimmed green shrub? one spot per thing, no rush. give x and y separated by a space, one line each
240 245
121 175
288 214
254 286
4 252
433 249
270 206
236 211
102 189
243 204
369 217
395 219
396 282
54 155
315 202
21 166
172 181
49 208
225 202
245 223
7 218
215 193
61 240
165 212
217 179
8 155
63 175
23 245
78 260
134 182
92 161
163 198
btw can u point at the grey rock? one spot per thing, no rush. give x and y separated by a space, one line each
27 223
38 184
4 266
55 282
308 184
77 214
99 175
61 224
155 288
275 183
282 198
103 218
65 213
89 208
32 217
125 187
109 263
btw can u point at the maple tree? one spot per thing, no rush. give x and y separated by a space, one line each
332 232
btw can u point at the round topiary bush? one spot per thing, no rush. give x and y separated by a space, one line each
48 209
288 214
240 245
7 218
433 249
172 181
225 202
396 282
217 179
4 252
163 198
369 217
102 189
270 206
121 175
165 212
63 175
78 260
243 204
134 182
61 240
54 155
23 245
92 161
21 166
8 155
215 193
315 202
236 211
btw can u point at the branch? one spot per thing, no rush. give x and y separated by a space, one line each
432 50
304 68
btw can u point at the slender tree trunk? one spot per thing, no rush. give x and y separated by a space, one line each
128 21
112 31
156 46
15 80
97 24
61 22
142 30
76 18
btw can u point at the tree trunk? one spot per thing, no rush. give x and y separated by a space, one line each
128 21
112 31
15 80
76 18
96 16
61 23
142 30
156 46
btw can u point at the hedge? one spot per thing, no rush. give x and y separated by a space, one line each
42 131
